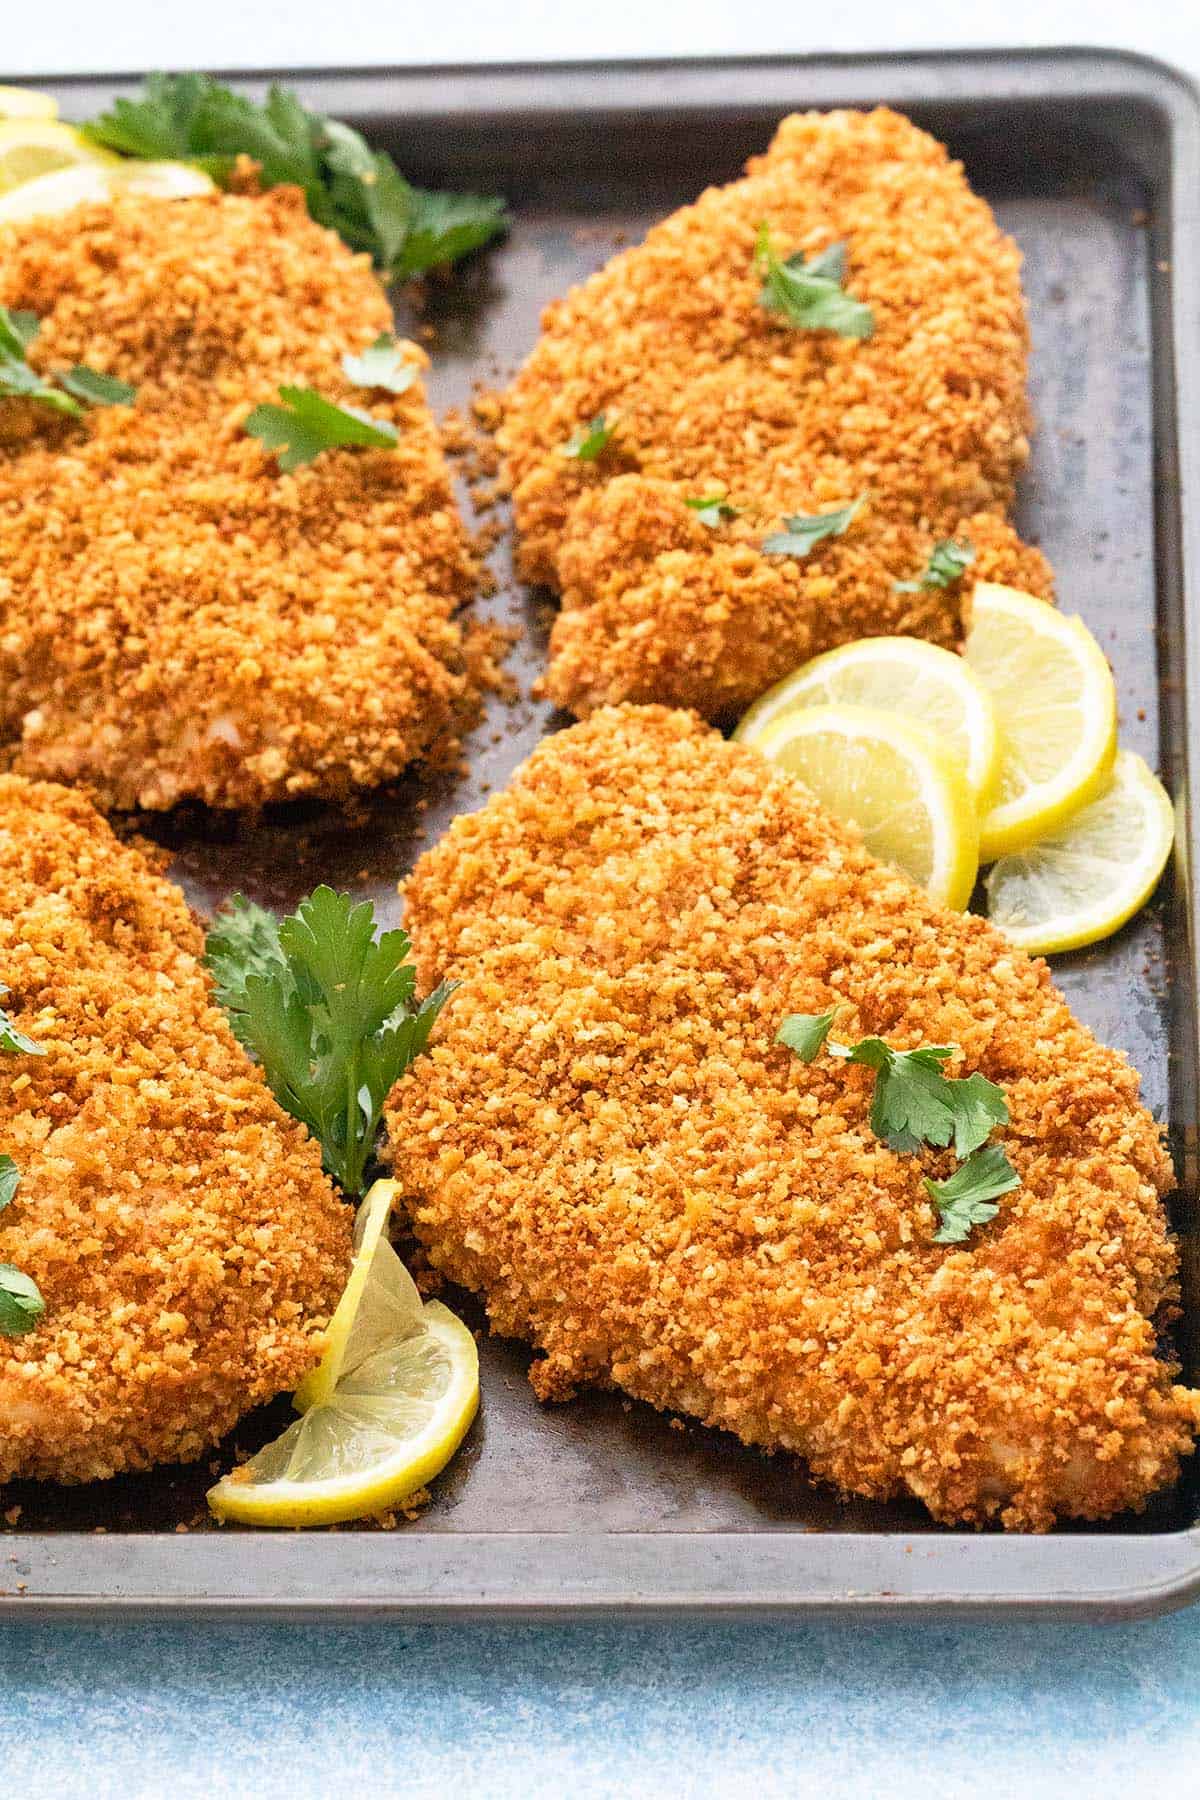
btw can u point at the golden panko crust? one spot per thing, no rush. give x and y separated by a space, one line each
607 1143
710 393
178 619
186 1243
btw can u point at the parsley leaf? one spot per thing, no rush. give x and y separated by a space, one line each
590 441
306 424
381 365
328 1009
714 510
21 1305
17 379
356 191
948 561
967 1198
97 389
805 1033
12 1041
803 531
811 294
10 1180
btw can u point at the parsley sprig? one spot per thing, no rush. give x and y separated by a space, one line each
327 1007
810 292
356 191
62 393
307 423
948 562
21 1304
803 530
915 1103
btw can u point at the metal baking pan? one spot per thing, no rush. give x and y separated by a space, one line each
1092 160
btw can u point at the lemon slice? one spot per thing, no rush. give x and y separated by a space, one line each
908 796
90 182
904 675
384 1412
1083 882
33 147
1054 696
26 103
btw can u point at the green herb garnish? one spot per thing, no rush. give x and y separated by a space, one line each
713 510
381 365
10 1180
307 423
967 1198
948 561
802 531
915 1103
590 440
356 191
21 1304
810 293
327 1008
19 381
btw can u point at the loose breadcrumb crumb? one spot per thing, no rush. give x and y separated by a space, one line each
187 1246
607 1144
711 393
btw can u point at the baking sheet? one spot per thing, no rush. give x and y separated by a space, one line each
604 1502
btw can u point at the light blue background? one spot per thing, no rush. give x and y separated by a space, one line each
826 1710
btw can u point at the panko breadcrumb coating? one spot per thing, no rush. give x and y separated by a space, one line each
187 1246
607 1143
178 619
712 394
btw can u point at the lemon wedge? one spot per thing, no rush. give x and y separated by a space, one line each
26 103
908 796
1054 696
1085 880
91 182
904 675
382 1414
38 146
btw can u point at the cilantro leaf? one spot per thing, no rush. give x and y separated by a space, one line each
811 294
805 1033
96 389
10 1180
17 379
21 1305
327 1007
306 424
590 441
12 1041
948 561
967 1198
354 190
713 511
381 365
803 531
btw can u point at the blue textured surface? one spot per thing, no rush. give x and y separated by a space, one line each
826 1710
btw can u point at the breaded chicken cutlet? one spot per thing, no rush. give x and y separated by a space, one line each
187 1246
709 393
178 618
607 1143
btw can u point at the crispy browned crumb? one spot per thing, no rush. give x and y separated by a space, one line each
711 393
178 619
608 1145
187 1246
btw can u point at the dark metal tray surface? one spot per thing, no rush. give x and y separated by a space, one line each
1092 161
